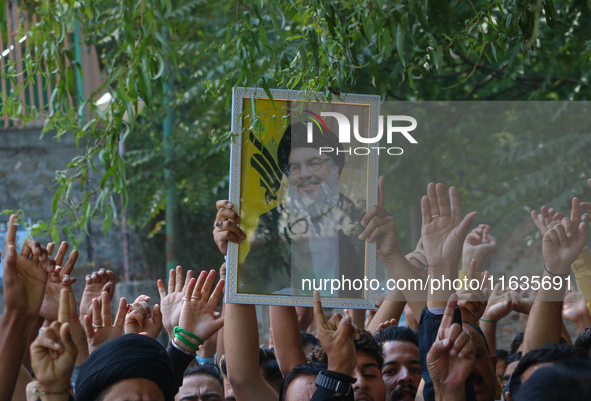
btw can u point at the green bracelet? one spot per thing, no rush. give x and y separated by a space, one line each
178 329
490 321
187 342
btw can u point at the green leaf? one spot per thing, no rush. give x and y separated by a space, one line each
400 43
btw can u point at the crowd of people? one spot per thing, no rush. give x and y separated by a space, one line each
53 347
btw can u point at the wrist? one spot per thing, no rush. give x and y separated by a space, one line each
183 345
343 367
53 388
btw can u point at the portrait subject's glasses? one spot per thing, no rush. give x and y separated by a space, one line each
313 164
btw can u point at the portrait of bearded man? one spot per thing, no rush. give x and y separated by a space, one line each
313 235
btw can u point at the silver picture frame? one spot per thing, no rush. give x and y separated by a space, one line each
245 102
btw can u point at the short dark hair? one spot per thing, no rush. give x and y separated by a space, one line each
205 370
502 354
513 357
265 355
369 345
308 338
296 135
397 333
312 369
546 353
568 380
517 340
583 340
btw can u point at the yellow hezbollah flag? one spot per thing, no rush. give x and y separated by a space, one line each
261 179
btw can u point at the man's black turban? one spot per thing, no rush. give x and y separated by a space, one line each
296 136
131 356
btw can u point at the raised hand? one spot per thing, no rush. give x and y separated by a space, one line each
141 320
25 275
171 303
198 313
381 226
574 308
521 301
546 219
336 336
564 242
54 352
100 328
499 304
96 284
451 357
444 229
59 279
471 300
478 245
225 227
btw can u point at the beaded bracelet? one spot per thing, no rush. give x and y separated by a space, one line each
40 391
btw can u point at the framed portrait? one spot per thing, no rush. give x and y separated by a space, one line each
302 175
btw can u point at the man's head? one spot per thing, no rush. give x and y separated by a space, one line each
583 340
201 383
502 355
536 359
369 385
300 383
313 177
510 365
566 380
309 343
132 365
484 374
401 371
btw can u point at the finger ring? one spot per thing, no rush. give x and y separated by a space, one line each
186 299
219 225
194 297
469 334
435 215
41 330
96 326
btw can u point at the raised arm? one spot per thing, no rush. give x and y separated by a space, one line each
560 247
25 277
443 234
380 226
451 357
241 343
287 340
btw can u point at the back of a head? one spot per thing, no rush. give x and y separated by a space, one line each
517 341
566 380
548 353
583 341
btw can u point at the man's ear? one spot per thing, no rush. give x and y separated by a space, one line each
493 359
508 396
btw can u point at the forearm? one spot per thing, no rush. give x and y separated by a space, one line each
401 269
489 330
544 322
443 275
241 341
20 391
391 308
286 338
14 331
565 334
